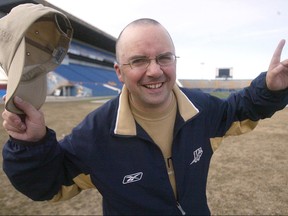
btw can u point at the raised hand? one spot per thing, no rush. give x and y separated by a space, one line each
277 76
29 127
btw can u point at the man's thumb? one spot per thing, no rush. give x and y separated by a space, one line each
26 107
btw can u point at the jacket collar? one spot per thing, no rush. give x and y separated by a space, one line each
125 123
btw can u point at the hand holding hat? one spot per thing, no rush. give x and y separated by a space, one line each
30 127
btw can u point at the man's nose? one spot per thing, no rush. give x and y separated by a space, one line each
154 69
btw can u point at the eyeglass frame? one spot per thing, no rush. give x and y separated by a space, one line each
150 59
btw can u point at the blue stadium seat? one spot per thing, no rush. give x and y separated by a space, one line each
93 78
2 93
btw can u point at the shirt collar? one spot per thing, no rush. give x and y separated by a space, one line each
125 123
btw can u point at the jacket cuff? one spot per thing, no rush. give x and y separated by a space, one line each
273 96
29 143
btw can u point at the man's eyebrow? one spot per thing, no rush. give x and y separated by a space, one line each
137 57
144 56
166 53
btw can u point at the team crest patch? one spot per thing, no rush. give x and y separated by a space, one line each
197 155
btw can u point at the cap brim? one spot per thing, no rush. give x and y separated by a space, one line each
33 91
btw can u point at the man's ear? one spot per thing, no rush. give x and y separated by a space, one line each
118 72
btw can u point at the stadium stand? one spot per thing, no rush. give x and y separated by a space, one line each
87 69
2 92
215 85
102 82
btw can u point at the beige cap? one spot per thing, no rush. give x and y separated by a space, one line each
34 40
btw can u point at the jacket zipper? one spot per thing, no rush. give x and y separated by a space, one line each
181 209
177 203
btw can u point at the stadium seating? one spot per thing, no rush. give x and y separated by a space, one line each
2 92
102 81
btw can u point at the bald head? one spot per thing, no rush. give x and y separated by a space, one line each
144 22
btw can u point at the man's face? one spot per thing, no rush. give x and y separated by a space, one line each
152 86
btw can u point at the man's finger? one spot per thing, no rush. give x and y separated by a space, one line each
15 128
26 107
285 63
12 120
276 58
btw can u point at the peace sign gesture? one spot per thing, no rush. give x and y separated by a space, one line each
277 76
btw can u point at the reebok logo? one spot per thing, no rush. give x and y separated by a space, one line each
132 178
197 155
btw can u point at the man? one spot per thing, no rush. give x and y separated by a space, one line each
148 150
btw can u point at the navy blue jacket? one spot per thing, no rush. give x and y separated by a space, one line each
110 151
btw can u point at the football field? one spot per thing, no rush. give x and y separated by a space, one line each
248 174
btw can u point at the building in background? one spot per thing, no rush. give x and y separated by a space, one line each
87 69
223 82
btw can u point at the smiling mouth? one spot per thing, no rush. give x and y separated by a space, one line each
154 86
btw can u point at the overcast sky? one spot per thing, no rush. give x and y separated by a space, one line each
208 34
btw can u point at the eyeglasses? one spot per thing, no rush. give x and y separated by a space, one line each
142 63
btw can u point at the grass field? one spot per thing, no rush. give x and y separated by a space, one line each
248 174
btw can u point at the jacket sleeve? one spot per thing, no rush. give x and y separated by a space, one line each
40 170
241 111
